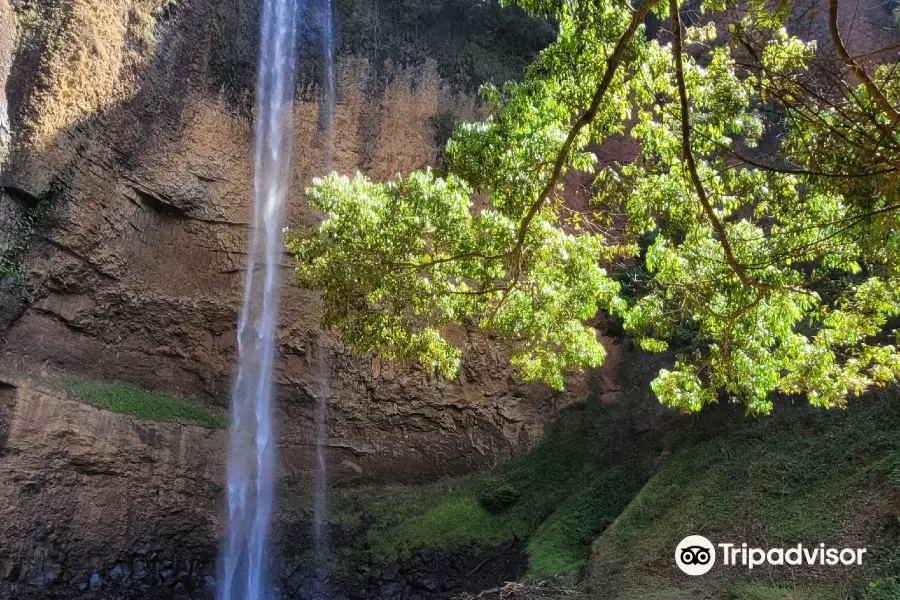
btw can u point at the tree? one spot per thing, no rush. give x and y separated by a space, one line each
781 265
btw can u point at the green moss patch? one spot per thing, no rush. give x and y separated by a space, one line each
779 591
144 404
798 476
583 504
558 497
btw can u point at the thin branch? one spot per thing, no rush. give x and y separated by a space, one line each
804 248
733 318
612 65
860 73
810 112
882 50
794 171
688 152
456 257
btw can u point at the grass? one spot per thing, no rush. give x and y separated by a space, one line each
797 476
649 590
883 581
583 505
558 497
779 591
144 404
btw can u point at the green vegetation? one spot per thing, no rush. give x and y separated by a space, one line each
583 506
884 579
12 259
804 475
778 591
143 404
769 272
566 492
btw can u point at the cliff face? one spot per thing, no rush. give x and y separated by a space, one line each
125 206
102 505
82 489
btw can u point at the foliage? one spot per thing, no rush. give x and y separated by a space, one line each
499 495
798 476
885 589
802 475
559 545
567 489
400 261
883 582
12 259
777 271
395 292
780 591
143 404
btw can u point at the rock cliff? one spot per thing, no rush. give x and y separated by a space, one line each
125 203
83 489
125 173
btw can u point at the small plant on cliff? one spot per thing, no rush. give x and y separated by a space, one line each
499 495
12 259
144 404
783 265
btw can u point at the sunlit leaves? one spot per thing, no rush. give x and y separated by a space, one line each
399 262
797 305
682 388
792 314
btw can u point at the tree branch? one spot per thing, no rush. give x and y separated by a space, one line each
796 170
860 73
687 150
733 318
612 64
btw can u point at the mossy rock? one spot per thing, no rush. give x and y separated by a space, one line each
499 495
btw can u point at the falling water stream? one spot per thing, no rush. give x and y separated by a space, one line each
243 564
328 60
321 416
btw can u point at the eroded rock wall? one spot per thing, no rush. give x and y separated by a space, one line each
82 490
132 132
100 505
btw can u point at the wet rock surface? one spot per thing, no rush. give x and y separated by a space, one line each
431 574
100 505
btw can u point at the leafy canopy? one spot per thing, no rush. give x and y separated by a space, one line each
766 182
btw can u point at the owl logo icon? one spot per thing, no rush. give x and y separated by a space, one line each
695 555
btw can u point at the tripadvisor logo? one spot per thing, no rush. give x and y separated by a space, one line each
696 555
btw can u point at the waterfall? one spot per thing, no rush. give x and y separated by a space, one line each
321 499
243 564
321 416
328 64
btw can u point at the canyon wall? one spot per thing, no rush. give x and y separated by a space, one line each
83 491
125 173
126 194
